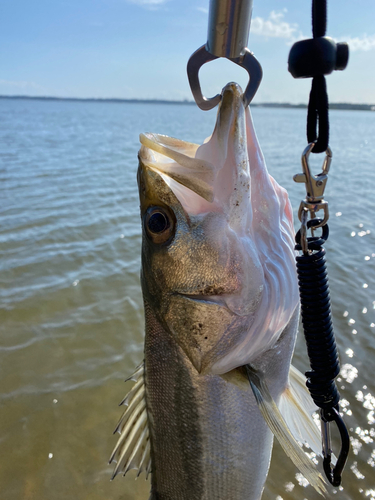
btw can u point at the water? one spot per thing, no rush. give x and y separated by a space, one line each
71 320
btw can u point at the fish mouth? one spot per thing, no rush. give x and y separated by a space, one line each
211 177
218 300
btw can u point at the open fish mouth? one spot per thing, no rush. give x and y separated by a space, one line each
202 181
190 178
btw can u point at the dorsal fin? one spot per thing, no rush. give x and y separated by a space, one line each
132 450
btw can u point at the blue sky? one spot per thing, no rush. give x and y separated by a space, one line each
140 48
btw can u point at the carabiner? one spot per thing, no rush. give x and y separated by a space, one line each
333 473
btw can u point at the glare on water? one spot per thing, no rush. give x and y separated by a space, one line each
71 319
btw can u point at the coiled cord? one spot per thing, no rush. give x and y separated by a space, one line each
318 329
321 343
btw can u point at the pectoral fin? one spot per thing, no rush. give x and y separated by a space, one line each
297 407
279 427
132 450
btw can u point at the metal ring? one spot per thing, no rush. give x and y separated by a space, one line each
313 242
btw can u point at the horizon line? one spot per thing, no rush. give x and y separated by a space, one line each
332 105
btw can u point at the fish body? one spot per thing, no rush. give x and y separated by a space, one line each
209 439
220 292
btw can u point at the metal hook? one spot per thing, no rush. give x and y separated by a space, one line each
315 184
228 32
334 473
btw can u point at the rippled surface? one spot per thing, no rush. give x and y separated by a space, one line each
71 319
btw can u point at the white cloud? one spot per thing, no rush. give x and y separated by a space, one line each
275 27
21 84
363 43
203 9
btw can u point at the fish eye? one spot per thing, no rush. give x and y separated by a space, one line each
159 224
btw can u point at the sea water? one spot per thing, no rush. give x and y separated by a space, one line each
71 317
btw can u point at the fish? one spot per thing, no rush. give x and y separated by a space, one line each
221 310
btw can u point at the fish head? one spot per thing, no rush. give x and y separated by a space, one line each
217 246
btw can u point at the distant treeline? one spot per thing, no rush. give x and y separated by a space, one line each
333 105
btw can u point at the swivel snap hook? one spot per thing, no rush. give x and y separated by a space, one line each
333 473
315 185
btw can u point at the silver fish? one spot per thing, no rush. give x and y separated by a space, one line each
221 307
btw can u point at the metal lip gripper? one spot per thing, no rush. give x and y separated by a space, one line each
228 33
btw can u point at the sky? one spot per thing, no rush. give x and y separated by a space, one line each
140 48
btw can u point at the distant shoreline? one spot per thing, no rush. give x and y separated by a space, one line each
333 105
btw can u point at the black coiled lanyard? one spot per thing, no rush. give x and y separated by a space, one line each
315 58
316 313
